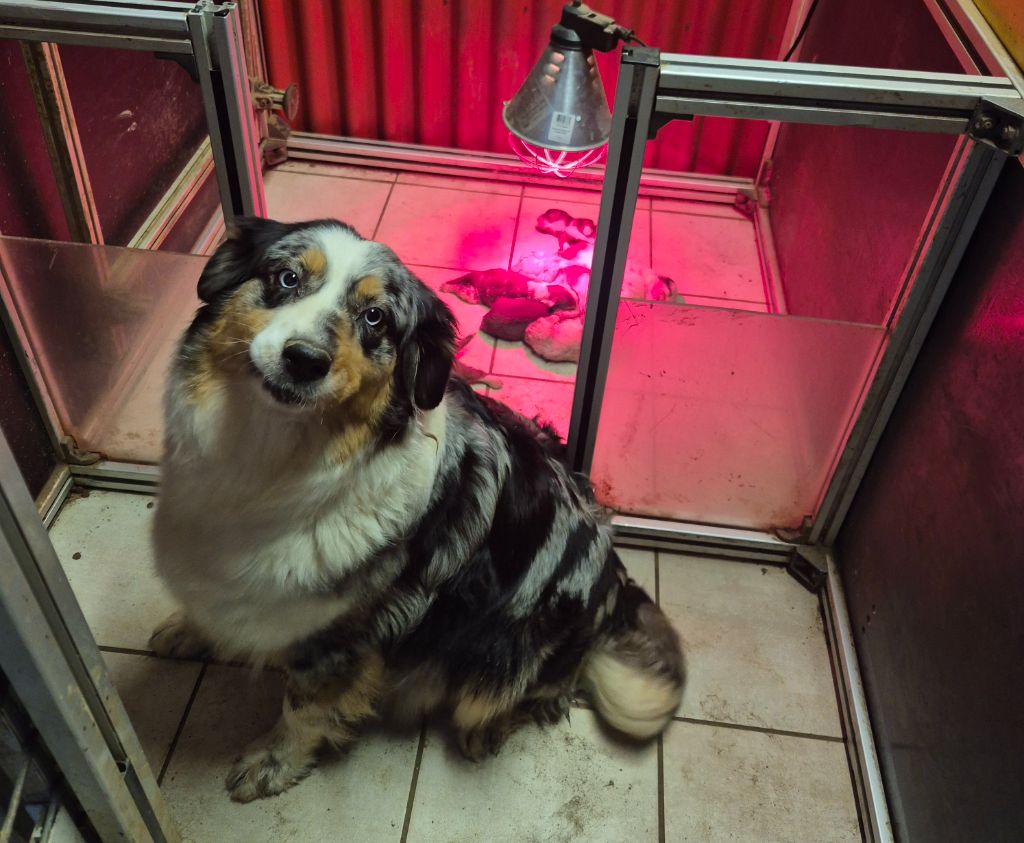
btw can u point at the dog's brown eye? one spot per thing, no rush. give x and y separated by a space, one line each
288 278
373 316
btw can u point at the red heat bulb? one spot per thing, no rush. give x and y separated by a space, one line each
554 161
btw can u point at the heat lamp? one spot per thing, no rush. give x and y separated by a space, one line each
559 121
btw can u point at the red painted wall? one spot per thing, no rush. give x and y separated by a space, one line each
436 72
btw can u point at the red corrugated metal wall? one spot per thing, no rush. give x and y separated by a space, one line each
437 71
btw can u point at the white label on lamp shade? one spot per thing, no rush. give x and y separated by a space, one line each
562 124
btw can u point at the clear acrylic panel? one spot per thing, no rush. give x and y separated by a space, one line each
725 416
101 323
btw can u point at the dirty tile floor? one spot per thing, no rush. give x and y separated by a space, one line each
755 752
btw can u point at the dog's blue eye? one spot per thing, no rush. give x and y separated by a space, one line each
373 316
288 278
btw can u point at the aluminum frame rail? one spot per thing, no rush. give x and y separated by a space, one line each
654 89
205 36
51 661
834 95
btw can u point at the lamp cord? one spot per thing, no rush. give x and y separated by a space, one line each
628 36
802 32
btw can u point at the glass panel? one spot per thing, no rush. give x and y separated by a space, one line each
136 124
726 417
102 322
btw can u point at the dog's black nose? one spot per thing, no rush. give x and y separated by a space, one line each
305 363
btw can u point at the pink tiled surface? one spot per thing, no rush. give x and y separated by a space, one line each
437 226
295 196
708 256
443 227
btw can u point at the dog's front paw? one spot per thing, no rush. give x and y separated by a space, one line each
260 774
175 638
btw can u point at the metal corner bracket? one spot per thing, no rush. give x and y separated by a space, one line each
999 123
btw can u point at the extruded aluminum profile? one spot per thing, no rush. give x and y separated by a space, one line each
683 537
631 126
54 493
853 707
158 26
962 198
973 40
824 94
55 668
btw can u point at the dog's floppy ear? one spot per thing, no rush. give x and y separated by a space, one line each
237 257
429 351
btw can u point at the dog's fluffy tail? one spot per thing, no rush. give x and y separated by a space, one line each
635 672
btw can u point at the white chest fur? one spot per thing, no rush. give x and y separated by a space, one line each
253 526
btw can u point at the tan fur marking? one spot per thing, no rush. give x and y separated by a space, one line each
476 709
313 261
361 389
369 288
226 351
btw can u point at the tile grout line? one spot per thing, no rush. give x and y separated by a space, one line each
511 255
131 651
181 726
346 176
767 730
383 210
661 788
149 654
413 783
456 189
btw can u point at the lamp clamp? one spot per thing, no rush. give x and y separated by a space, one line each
582 28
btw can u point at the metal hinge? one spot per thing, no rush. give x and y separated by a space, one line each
999 122
73 455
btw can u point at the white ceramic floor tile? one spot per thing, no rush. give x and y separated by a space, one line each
104 546
360 795
155 693
640 565
549 400
569 782
754 644
479 351
528 239
707 256
435 226
731 784
294 197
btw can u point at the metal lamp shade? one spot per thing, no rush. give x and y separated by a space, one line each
562 104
